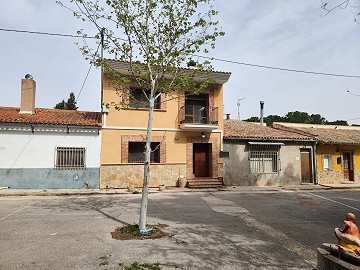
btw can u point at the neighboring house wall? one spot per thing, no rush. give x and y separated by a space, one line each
237 166
27 160
129 125
332 165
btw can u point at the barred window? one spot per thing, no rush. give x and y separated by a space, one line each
70 157
137 149
264 161
139 99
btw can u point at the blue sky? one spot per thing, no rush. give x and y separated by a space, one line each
288 34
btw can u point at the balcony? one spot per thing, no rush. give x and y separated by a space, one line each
198 118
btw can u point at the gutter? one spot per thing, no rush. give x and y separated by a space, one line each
266 140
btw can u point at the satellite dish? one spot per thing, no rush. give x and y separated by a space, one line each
28 77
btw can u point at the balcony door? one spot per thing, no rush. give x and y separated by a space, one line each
196 109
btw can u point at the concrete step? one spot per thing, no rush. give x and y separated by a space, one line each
204 183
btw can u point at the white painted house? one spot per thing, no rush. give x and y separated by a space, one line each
48 148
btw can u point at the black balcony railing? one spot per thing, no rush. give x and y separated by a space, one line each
195 114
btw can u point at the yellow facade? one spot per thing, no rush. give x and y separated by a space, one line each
344 163
125 125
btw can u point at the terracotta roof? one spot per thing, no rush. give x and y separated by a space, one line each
50 117
219 76
327 134
236 129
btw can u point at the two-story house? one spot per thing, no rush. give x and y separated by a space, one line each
186 135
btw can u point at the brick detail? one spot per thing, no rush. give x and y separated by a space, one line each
125 139
163 102
214 156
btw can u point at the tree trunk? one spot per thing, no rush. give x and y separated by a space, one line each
144 200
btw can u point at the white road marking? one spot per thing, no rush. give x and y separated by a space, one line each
350 199
349 206
14 212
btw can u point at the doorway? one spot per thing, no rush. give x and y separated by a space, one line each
202 159
306 171
348 166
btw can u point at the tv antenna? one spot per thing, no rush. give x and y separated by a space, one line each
238 104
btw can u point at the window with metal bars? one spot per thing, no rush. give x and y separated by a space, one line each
139 99
264 161
137 149
70 158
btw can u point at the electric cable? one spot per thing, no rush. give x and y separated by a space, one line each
201 56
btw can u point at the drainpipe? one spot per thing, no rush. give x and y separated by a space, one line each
315 162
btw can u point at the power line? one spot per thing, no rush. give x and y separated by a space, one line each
87 75
352 93
278 68
44 33
201 56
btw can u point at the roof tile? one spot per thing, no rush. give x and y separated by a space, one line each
327 134
238 129
50 117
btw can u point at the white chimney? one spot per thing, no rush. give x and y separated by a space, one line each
262 113
28 90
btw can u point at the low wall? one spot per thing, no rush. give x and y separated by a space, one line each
330 177
123 175
47 178
327 261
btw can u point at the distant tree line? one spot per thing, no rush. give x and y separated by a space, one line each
298 117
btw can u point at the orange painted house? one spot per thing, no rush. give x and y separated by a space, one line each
186 136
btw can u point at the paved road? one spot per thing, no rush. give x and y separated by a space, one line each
213 230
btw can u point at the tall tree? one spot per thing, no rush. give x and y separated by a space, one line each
69 105
317 119
155 38
329 6
298 117
273 118
252 119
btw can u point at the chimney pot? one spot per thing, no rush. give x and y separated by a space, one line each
29 77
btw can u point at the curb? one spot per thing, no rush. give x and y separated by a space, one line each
6 192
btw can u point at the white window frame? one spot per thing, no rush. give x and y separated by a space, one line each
328 162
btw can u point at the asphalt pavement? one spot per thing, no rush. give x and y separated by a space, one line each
228 228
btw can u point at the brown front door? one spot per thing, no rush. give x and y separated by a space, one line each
348 166
201 159
305 166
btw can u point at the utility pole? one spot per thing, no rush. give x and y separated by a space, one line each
238 104
102 66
